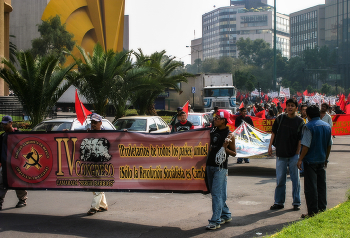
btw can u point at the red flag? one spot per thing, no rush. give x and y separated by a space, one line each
241 106
254 110
342 102
305 92
80 110
347 109
300 101
284 105
261 101
266 97
185 107
299 94
247 95
241 97
275 101
261 114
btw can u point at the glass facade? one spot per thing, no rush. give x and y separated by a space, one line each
304 31
337 34
222 27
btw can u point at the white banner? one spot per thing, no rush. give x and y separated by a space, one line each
255 93
284 92
273 94
251 142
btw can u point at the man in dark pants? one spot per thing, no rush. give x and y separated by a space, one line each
243 117
21 194
316 144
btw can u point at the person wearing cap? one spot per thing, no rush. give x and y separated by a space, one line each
216 168
176 118
243 117
190 108
99 202
183 124
21 194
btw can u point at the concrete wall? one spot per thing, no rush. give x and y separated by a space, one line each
24 20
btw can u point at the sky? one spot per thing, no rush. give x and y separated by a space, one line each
170 25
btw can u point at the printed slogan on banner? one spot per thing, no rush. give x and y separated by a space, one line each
107 161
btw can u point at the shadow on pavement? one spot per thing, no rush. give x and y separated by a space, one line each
82 225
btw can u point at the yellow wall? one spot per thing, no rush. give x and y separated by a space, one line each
90 21
5 9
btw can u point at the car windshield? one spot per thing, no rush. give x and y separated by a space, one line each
219 92
195 119
131 124
53 126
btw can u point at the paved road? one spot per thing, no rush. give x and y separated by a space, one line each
250 194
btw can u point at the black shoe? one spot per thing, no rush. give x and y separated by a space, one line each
276 207
296 208
21 203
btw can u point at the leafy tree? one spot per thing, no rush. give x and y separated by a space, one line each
210 65
326 88
157 80
38 84
257 52
54 39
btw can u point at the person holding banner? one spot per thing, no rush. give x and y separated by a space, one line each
243 117
6 123
222 144
287 130
316 148
183 124
175 118
99 202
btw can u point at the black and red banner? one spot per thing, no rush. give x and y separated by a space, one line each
119 161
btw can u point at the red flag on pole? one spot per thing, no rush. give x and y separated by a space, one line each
185 107
241 106
80 110
305 92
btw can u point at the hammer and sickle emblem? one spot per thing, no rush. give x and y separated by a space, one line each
32 159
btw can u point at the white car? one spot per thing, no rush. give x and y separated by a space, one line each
71 124
145 124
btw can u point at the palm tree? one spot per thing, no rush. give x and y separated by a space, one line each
38 84
99 75
127 83
160 78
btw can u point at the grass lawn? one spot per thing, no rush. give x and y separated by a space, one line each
331 223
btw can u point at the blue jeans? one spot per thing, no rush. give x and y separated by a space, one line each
217 182
281 178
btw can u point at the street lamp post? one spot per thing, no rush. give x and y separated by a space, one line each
197 56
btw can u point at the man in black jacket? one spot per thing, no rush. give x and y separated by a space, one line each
21 194
243 117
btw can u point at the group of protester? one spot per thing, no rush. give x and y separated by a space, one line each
298 140
304 139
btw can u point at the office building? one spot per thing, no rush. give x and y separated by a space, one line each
307 29
222 28
337 34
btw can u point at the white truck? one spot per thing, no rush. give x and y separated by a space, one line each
206 91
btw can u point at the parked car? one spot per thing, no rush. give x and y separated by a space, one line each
199 120
146 124
71 124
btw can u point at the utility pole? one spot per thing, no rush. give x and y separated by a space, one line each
274 48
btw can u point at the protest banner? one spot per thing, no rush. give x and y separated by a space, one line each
341 124
251 142
106 160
